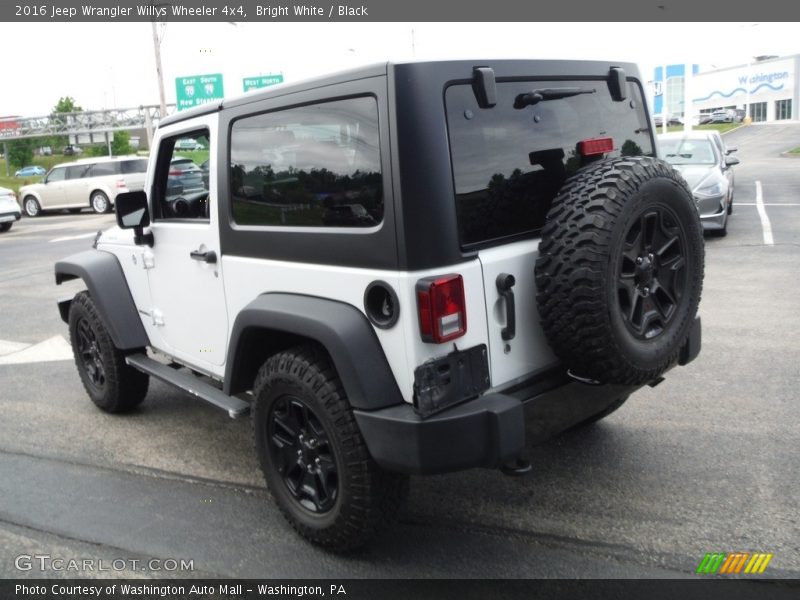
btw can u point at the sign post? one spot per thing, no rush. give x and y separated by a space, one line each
198 89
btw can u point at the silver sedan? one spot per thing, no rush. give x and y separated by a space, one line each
705 169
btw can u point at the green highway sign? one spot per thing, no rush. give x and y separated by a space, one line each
198 89
253 83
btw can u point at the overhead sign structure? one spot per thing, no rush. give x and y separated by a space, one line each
198 89
254 83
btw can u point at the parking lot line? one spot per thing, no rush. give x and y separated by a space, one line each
768 204
762 213
74 237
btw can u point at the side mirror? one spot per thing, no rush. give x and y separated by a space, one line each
731 160
131 210
731 149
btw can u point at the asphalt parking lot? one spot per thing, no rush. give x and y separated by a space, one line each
705 462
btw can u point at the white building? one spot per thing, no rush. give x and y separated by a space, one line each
769 90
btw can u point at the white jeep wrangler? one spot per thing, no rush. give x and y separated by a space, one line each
384 266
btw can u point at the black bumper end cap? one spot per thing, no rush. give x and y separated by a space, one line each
486 432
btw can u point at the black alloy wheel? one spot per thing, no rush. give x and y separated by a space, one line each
90 355
652 276
302 452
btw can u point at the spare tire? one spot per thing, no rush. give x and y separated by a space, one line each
620 270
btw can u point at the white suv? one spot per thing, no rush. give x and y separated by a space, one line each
89 182
387 265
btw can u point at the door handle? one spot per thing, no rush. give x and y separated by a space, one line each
504 284
208 256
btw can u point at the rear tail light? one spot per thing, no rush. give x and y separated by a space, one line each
120 184
175 172
442 309
595 146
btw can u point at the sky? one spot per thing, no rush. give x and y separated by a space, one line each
112 64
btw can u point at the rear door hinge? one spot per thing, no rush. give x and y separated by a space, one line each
148 260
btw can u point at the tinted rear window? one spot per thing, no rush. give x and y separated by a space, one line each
508 164
134 166
103 169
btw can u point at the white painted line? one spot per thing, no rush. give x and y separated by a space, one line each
74 237
762 213
7 347
768 204
56 348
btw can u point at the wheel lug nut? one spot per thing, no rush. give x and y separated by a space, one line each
639 260
299 453
316 460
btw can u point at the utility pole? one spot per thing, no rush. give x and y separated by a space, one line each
159 71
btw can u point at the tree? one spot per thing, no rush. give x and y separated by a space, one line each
20 152
121 143
66 104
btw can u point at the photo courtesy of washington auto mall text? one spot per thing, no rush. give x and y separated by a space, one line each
398 300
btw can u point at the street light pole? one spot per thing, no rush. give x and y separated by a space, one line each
159 71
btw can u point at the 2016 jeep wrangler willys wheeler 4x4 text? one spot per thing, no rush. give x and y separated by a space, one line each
385 265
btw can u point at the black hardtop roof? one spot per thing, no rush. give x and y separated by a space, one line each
450 69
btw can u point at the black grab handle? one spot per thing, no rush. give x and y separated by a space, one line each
504 284
209 256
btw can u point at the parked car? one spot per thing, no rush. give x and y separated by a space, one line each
189 144
186 175
90 182
72 150
9 209
723 116
45 151
707 169
31 171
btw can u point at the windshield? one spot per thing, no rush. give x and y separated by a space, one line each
682 151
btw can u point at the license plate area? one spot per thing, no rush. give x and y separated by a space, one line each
442 382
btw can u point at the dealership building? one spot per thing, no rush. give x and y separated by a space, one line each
768 88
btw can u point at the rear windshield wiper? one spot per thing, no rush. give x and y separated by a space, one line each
536 96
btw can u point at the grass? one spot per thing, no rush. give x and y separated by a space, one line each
15 183
721 127
794 151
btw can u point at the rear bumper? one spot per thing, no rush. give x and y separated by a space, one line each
490 430
5 217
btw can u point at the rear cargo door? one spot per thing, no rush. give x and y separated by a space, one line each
509 163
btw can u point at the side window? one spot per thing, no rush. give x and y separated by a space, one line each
181 186
134 166
56 175
310 166
103 169
77 171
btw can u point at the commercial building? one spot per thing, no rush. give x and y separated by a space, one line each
768 89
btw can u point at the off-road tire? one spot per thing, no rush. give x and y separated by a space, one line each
122 387
367 498
579 272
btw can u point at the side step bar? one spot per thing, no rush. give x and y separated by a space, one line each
189 383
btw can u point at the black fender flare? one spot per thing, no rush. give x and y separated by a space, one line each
340 328
105 280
